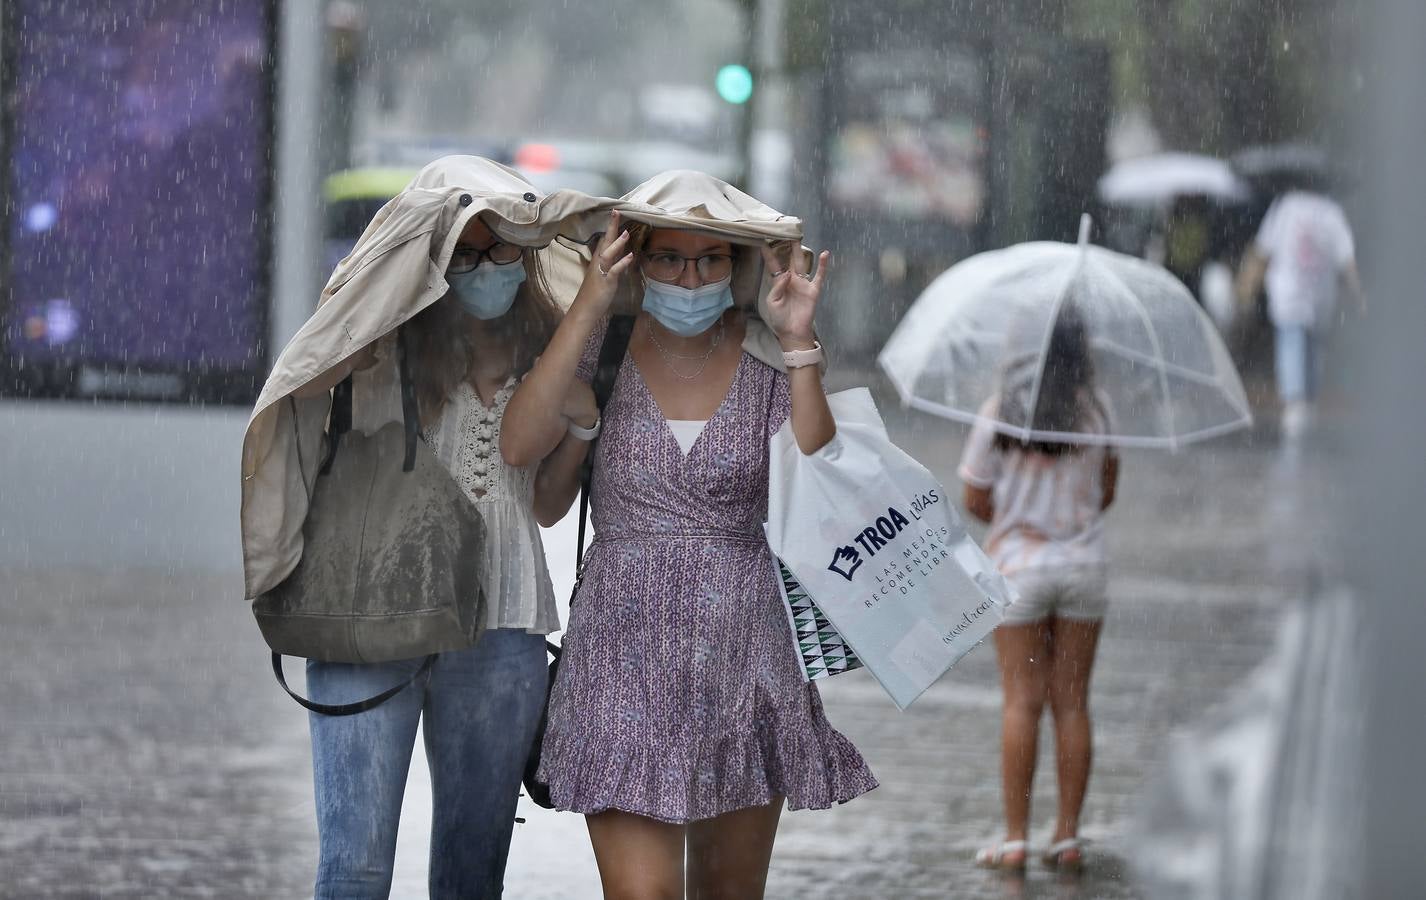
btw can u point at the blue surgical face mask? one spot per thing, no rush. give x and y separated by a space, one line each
488 291
687 311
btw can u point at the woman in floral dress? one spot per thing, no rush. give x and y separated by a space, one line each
680 721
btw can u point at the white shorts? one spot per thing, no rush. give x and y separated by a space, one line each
1076 592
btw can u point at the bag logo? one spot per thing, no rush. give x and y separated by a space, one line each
872 538
845 555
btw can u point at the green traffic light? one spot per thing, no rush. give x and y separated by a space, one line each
734 83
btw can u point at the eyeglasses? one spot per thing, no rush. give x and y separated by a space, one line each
670 267
465 257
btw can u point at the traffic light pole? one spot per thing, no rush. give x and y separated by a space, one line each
752 18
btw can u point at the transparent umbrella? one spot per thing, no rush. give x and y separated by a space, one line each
974 346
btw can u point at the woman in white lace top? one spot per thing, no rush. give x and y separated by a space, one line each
479 707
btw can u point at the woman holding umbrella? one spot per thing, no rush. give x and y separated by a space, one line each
1044 500
1056 354
680 723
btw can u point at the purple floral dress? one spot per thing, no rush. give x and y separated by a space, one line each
679 695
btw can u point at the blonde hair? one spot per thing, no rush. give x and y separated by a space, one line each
442 351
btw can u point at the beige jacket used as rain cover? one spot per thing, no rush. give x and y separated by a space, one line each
690 200
396 269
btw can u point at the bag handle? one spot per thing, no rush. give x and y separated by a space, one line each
341 423
606 372
347 709
410 413
341 419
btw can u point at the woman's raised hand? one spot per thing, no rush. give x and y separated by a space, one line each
607 266
792 301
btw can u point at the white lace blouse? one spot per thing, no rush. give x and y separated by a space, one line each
466 440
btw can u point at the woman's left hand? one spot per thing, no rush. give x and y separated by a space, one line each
792 301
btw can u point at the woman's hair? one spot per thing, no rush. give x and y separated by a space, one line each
638 235
1066 393
442 351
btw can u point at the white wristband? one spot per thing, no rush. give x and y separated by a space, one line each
585 434
796 359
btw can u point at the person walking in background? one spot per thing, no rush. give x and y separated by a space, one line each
1045 503
1187 241
680 722
1304 254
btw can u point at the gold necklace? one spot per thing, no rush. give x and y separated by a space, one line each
669 356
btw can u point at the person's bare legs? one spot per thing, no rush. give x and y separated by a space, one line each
1023 653
639 858
1073 646
728 856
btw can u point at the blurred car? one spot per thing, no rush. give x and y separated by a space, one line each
551 167
417 151
353 197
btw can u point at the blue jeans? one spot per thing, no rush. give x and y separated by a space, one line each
1296 359
480 708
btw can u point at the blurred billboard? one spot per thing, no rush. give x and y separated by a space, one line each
137 168
910 140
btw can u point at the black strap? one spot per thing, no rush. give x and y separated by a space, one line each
340 421
606 372
410 414
348 709
341 418
611 357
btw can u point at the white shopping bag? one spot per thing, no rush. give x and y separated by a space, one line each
876 541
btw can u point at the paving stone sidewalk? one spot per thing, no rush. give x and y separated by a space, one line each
145 751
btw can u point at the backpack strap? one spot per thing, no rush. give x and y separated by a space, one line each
339 423
341 415
410 411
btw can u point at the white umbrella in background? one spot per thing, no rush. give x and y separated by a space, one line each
982 330
1157 179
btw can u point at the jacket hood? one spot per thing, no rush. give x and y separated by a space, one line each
685 199
695 201
396 270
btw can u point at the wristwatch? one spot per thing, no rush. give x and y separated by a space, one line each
585 434
796 359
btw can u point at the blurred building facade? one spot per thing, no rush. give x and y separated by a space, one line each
908 133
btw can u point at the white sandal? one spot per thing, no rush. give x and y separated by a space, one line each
1053 853
993 857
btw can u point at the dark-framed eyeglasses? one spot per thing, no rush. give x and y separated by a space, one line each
465 257
664 266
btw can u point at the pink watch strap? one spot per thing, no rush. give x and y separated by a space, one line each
796 359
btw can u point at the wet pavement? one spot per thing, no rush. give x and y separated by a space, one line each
146 751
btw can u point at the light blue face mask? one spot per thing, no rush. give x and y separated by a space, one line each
488 291
687 311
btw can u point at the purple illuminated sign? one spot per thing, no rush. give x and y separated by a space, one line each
139 171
